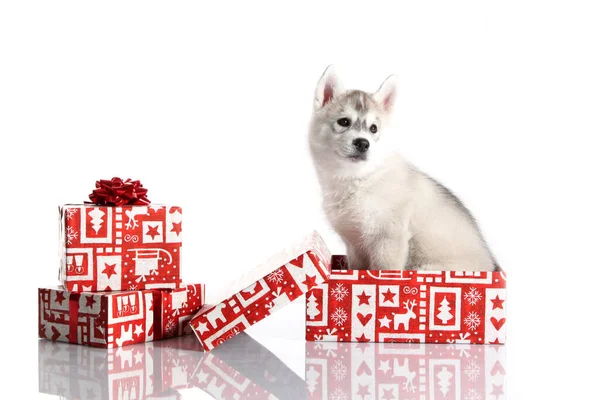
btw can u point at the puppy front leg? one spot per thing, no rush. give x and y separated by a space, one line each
356 260
390 253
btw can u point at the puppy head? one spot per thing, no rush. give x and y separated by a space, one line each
348 125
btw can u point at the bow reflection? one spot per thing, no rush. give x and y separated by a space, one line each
394 371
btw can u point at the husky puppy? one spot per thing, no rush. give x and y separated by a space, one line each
389 214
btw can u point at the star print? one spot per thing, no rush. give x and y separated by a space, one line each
497 390
60 297
497 341
201 328
388 296
90 301
363 390
388 394
385 321
201 376
138 330
310 281
138 357
497 303
153 231
109 270
362 346
384 366
363 298
176 228
363 338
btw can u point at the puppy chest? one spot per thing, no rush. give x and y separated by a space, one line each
360 213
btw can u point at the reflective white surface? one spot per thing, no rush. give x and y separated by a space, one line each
208 104
244 368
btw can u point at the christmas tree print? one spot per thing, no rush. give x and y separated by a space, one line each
311 307
444 311
312 378
444 380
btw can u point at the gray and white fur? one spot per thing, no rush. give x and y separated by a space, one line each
389 214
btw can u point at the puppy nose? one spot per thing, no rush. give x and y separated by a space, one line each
362 145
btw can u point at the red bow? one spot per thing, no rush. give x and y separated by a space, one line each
119 192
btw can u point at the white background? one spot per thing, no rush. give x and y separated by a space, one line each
207 103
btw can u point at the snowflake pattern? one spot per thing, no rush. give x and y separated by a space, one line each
472 320
472 370
71 211
276 276
339 316
339 292
472 296
472 394
70 235
338 394
170 327
339 370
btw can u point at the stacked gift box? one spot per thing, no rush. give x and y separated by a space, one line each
120 272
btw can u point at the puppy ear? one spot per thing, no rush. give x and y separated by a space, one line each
386 94
328 88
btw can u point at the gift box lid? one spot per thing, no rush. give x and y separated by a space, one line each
284 277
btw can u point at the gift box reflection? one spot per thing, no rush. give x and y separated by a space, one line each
404 371
243 369
140 371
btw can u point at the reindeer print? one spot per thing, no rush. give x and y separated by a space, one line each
214 390
216 314
404 372
131 214
126 335
405 318
126 357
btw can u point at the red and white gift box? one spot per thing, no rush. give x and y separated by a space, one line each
128 247
404 371
139 371
114 319
407 306
277 282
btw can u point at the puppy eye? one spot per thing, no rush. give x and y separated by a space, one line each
373 128
345 122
